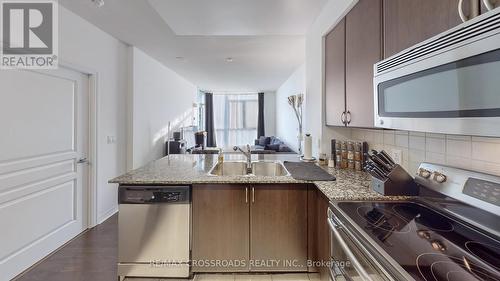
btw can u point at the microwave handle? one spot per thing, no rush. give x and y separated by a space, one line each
334 225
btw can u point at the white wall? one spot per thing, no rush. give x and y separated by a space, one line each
287 126
83 44
331 14
158 95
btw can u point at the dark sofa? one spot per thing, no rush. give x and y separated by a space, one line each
266 145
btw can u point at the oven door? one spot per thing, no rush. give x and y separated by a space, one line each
349 259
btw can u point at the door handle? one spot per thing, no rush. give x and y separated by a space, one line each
253 194
342 118
82 161
246 195
348 117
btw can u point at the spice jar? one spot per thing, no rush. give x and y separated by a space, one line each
350 165
344 164
357 155
358 166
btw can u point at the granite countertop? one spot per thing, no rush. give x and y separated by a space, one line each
193 169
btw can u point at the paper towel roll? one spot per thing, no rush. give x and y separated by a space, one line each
308 147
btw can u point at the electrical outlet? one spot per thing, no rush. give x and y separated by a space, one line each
110 139
397 155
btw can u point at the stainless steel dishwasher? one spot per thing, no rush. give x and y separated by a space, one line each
154 231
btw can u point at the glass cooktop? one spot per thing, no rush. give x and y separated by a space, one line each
428 245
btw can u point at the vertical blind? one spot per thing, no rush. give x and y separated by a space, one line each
235 119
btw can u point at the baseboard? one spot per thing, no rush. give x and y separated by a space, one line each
107 215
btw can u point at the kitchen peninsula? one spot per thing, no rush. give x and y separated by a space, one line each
254 218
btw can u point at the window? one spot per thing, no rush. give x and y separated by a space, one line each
235 117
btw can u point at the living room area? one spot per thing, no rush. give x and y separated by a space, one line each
168 114
227 120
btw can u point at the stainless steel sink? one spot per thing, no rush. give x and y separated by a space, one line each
262 168
259 168
229 169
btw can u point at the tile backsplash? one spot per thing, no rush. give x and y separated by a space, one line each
475 153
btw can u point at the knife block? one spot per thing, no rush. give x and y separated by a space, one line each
397 183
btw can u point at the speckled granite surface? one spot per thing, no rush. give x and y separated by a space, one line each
193 169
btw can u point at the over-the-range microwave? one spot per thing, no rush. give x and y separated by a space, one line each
447 84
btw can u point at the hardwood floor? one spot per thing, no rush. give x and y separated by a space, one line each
93 257
90 257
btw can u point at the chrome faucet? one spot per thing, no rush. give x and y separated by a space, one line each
248 155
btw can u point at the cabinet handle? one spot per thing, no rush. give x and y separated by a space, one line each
246 195
461 13
349 117
253 194
475 9
489 5
342 118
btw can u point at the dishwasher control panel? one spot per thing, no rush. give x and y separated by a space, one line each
153 194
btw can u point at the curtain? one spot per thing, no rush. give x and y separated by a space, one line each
235 119
261 131
209 120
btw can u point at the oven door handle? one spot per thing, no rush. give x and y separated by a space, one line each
342 273
335 224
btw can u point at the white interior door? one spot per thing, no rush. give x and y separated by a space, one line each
43 134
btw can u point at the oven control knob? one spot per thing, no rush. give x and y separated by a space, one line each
438 245
438 177
424 173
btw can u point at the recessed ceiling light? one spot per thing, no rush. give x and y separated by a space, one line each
229 59
98 3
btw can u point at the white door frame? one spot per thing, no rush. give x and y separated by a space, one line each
90 192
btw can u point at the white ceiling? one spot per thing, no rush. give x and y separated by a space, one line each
238 17
265 51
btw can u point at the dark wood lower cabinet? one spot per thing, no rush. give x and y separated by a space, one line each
264 227
278 227
319 233
220 228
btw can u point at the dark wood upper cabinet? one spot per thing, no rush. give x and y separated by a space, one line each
408 22
363 50
335 75
351 49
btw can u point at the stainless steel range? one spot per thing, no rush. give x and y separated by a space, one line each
451 232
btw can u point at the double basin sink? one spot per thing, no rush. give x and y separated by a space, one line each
239 168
